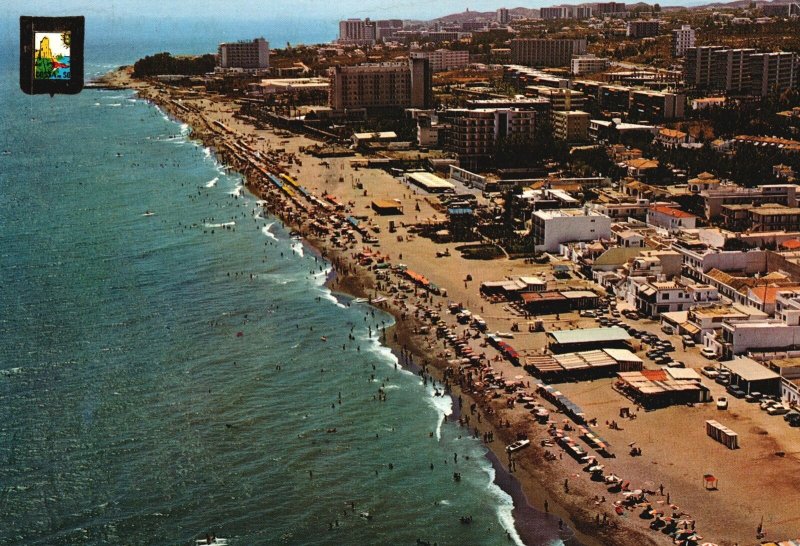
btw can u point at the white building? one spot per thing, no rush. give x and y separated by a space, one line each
551 228
654 298
357 32
682 39
780 333
443 59
587 64
670 218
251 55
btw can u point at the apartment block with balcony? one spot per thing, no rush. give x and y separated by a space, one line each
781 194
377 87
643 28
657 105
587 64
682 39
774 218
247 55
472 134
546 51
571 125
443 59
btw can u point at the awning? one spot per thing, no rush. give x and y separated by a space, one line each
690 328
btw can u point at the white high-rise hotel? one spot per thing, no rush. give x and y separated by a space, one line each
245 54
682 39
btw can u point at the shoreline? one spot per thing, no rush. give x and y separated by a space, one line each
533 483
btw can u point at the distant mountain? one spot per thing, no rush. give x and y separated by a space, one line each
464 16
529 13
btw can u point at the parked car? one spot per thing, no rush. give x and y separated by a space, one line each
794 419
723 378
778 409
688 341
677 364
709 353
588 314
722 403
753 397
766 404
735 391
709 371
791 415
667 329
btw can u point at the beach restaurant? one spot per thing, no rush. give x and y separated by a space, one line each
559 302
386 207
566 341
584 365
662 388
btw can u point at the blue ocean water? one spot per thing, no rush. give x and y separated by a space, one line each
162 373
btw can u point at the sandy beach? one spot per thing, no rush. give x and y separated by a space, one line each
754 483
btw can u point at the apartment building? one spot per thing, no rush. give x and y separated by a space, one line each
503 16
774 218
557 12
611 9
443 59
740 70
714 199
682 39
587 64
546 51
643 28
791 9
249 55
381 86
357 32
772 72
560 99
570 125
473 133
523 77
656 105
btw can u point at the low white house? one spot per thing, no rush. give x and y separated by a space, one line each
551 228
670 218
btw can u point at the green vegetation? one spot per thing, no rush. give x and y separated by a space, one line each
480 252
43 69
165 63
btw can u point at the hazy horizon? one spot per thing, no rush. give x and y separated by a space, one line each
314 9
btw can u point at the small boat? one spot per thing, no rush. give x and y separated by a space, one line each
324 338
211 541
360 300
380 299
507 335
149 213
516 446
365 515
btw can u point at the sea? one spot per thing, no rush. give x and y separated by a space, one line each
163 373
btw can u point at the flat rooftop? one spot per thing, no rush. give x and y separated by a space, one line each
749 370
590 335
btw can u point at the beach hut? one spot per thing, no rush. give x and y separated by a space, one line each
386 207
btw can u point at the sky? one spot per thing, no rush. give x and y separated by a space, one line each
264 9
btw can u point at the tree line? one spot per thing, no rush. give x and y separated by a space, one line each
165 63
